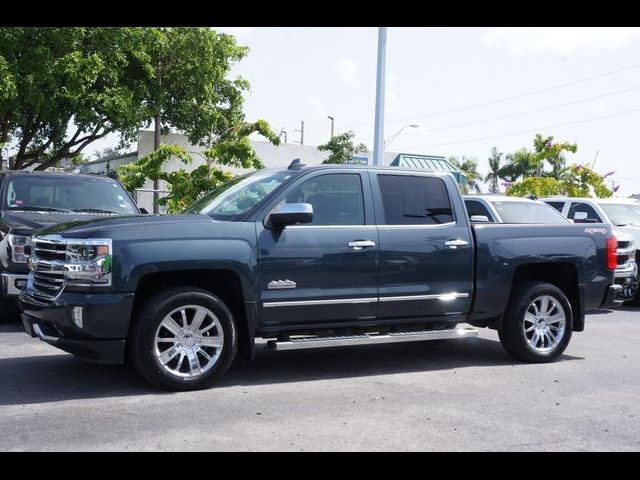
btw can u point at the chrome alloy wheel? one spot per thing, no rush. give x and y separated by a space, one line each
189 341
544 324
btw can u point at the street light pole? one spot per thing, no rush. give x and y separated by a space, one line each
378 138
388 141
332 120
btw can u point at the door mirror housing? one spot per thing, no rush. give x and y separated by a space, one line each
478 219
291 214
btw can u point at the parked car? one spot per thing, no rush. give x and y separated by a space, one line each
624 216
308 257
33 200
503 209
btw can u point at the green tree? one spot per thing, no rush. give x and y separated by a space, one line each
549 152
520 164
63 88
577 181
342 148
493 176
468 166
233 149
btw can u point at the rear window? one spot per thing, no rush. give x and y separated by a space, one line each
62 193
414 200
528 212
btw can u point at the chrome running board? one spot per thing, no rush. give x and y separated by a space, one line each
369 339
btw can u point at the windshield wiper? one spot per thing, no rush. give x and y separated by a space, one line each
41 209
96 210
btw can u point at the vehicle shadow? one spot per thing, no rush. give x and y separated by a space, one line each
52 378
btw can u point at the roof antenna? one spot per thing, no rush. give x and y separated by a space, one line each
295 164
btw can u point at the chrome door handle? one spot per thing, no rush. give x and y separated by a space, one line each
360 244
456 243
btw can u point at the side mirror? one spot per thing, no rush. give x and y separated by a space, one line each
143 211
478 219
290 214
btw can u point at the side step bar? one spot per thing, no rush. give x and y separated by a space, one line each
370 339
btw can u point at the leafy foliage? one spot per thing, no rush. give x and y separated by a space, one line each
342 148
468 166
493 176
63 88
576 181
233 149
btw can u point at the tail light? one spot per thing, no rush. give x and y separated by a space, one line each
612 252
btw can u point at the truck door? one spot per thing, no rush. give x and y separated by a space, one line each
426 249
327 270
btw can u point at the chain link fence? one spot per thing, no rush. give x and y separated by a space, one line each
144 199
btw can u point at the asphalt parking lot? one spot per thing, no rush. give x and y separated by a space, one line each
439 395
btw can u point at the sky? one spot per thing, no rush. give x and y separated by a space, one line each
467 89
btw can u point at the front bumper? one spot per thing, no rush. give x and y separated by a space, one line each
612 297
97 334
12 283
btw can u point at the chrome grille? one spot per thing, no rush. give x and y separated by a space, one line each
47 250
48 279
47 268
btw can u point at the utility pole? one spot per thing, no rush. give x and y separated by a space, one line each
301 132
332 120
284 132
156 146
378 138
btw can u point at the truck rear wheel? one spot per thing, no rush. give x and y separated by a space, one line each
537 323
183 339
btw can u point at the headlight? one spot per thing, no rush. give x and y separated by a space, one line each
77 262
20 248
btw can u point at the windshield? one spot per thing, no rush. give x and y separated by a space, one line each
622 214
233 199
67 194
528 212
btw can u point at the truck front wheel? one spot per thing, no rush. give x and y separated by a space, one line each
183 339
537 324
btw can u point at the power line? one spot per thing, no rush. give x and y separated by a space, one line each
520 114
511 97
533 129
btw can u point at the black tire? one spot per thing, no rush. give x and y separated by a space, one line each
141 348
512 335
635 301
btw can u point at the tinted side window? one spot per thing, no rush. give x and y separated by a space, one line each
557 205
477 208
336 198
414 200
584 212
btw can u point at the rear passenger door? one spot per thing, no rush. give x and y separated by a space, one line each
426 249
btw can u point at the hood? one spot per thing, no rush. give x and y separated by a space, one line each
633 231
144 227
26 222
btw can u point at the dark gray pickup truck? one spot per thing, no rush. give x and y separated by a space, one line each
310 257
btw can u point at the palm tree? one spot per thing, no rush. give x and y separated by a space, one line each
494 169
469 167
519 164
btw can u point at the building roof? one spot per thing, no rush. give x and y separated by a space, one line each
432 163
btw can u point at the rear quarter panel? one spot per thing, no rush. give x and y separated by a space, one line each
502 248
